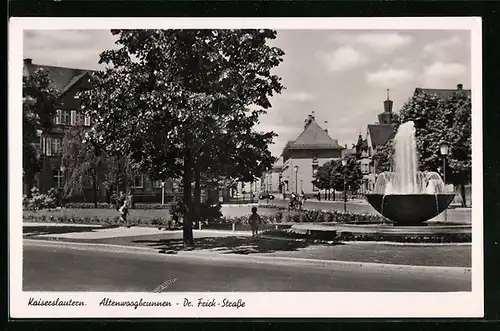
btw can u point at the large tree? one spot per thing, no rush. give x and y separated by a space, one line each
39 106
179 102
437 120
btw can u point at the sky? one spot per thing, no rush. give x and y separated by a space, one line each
341 75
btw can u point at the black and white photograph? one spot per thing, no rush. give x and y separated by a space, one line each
245 167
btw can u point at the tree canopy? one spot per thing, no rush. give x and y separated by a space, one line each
178 102
39 106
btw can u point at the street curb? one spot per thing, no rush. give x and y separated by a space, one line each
274 260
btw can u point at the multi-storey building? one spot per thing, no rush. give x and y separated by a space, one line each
68 82
303 156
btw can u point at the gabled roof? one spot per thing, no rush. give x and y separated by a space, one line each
62 78
314 137
441 93
380 133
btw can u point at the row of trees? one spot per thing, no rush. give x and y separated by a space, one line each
183 104
437 120
332 174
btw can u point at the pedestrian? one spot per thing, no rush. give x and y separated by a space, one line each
124 213
255 220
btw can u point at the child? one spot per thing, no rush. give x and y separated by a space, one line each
124 213
255 220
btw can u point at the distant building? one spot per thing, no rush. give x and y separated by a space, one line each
442 93
312 148
271 181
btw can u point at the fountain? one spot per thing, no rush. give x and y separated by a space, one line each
407 196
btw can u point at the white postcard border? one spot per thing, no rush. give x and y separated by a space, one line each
258 304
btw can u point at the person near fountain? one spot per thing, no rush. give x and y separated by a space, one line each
255 220
124 213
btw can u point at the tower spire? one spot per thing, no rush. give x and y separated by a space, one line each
388 94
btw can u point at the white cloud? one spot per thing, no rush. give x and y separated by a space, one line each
384 42
442 69
444 75
344 58
388 76
381 42
442 44
297 97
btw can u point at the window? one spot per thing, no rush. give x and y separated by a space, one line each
138 181
57 178
56 147
315 158
48 146
65 117
87 120
73 117
58 117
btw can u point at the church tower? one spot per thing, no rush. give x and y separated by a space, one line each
386 116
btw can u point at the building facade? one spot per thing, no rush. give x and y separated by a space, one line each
303 156
68 82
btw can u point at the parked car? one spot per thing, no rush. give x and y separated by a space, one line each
264 196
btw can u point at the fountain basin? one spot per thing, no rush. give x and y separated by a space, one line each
410 209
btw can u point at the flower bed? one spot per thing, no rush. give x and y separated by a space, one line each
333 236
105 205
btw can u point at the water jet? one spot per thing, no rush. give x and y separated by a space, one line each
407 196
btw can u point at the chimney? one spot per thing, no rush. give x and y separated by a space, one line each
326 126
460 87
312 115
28 61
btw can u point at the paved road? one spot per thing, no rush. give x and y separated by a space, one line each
63 267
456 215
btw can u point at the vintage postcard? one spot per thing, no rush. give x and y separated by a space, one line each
245 167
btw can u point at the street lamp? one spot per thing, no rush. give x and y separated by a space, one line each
162 193
296 168
344 163
444 149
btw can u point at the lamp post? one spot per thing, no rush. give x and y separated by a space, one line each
444 149
344 163
162 193
296 168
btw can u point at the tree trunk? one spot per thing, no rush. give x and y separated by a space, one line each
187 224
197 194
334 195
29 178
462 193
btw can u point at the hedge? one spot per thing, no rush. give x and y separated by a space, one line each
334 237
